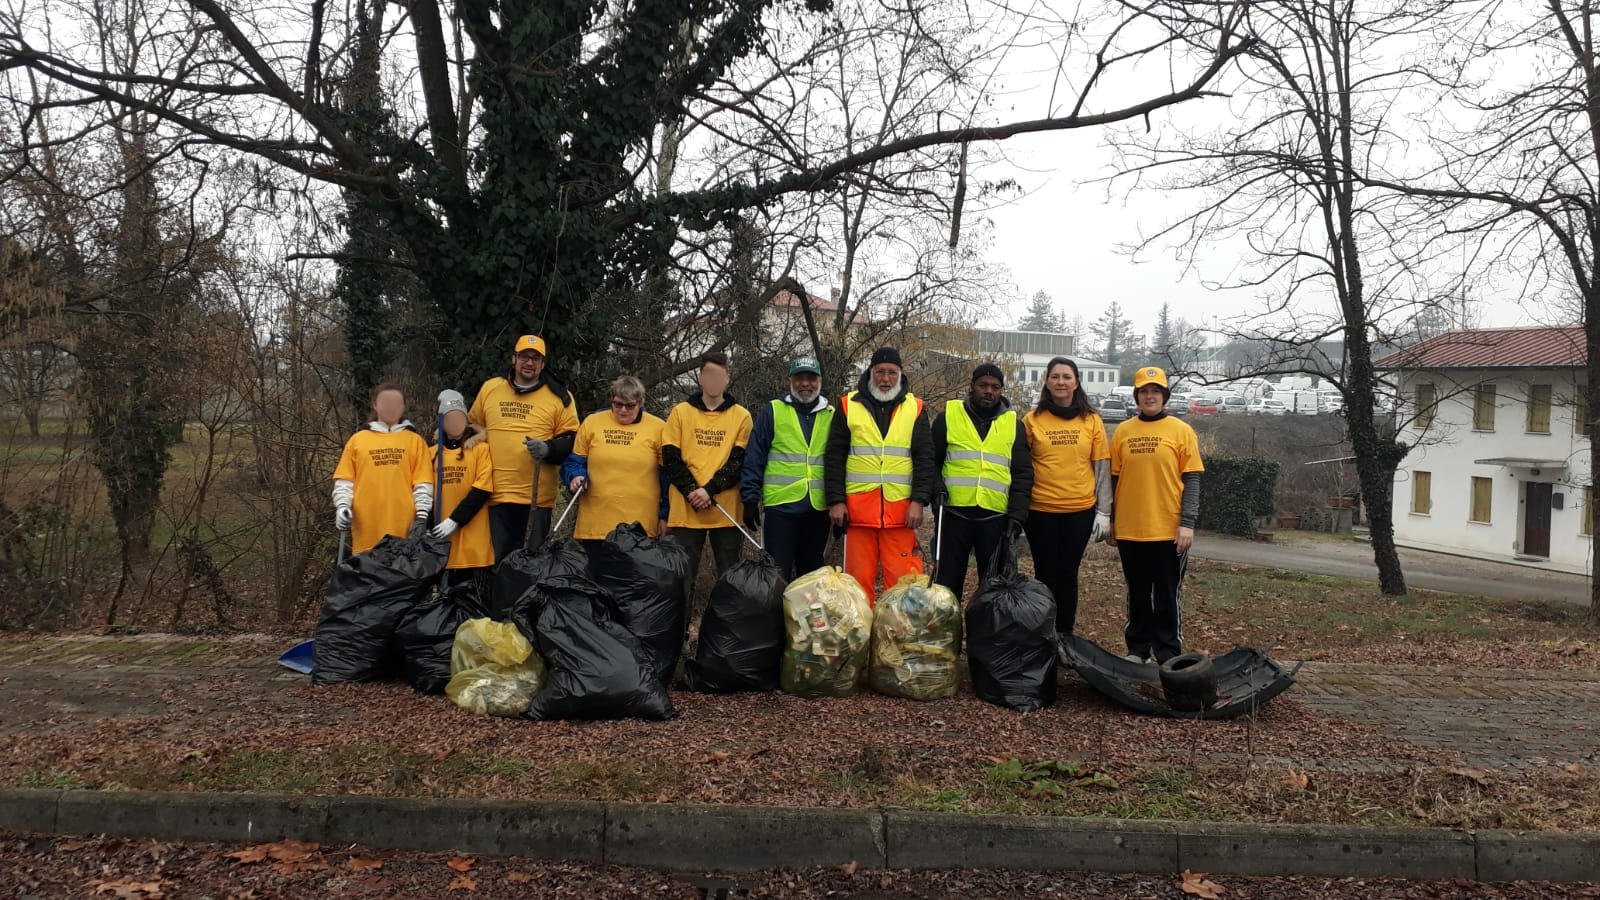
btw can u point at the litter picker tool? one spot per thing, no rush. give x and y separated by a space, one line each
735 524
571 505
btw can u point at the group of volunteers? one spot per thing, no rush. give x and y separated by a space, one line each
871 469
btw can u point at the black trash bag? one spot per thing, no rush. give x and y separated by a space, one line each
427 634
1011 640
742 637
597 669
523 568
648 580
369 594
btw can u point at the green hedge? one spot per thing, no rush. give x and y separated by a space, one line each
1235 490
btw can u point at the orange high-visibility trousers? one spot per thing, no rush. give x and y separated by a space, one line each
895 549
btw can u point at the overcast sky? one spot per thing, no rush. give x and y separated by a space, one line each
1063 235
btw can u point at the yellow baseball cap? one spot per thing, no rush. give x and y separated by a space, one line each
530 342
1149 375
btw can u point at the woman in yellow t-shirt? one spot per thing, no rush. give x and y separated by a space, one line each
616 459
383 482
1155 470
466 479
1071 503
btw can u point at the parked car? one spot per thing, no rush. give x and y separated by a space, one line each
1233 404
1332 403
1177 407
1113 410
1267 407
1203 407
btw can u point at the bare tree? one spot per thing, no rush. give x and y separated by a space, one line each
1520 172
518 189
1282 182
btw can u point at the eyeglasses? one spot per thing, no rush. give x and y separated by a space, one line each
529 357
624 405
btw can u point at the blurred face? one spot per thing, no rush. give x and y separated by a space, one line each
1150 399
713 380
805 386
986 392
885 377
389 406
455 424
1061 384
529 364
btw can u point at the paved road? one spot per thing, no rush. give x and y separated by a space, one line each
1431 571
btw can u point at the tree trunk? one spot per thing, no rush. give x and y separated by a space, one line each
1591 391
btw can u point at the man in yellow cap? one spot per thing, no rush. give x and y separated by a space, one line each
1155 476
530 420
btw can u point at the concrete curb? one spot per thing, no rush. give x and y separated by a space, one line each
734 838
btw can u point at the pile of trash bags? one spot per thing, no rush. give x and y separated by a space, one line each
427 633
368 597
649 581
1011 640
828 620
597 633
916 637
741 634
494 670
597 669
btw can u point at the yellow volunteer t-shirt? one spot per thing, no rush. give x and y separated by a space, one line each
510 417
624 474
706 439
384 466
470 546
1064 453
1149 460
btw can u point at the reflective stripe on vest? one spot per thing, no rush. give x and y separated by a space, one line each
794 470
878 461
977 471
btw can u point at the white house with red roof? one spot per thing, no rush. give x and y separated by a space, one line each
1499 464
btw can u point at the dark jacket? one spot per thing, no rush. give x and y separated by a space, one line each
762 432
924 476
1021 494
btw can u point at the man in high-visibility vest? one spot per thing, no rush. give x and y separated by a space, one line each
987 478
878 474
781 484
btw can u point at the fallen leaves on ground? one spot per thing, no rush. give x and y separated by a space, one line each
1300 781
362 865
1198 885
462 863
129 889
463 883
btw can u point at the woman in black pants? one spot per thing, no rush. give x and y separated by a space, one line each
1071 485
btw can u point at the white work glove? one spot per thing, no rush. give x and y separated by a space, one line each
1101 529
536 448
444 529
341 518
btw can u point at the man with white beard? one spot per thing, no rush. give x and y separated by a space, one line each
783 472
878 474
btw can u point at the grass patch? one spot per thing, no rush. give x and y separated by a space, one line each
56 781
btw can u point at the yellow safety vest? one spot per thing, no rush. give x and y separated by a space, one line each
878 461
977 471
794 469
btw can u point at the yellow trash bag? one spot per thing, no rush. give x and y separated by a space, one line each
828 620
493 669
916 637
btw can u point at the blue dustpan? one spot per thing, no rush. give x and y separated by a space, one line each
297 658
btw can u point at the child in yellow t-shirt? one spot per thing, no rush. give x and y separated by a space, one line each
382 483
466 482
